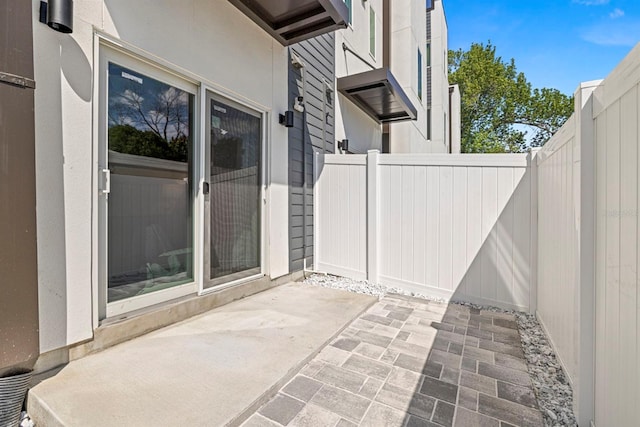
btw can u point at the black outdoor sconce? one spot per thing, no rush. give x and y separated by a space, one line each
344 145
58 15
286 119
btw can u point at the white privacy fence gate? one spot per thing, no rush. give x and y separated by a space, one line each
450 226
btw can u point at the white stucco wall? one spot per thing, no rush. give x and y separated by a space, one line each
440 79
210 41
409 33
351 123
456 132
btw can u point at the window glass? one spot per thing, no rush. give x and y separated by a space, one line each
235 198
150 151
372 32
348 3
419 74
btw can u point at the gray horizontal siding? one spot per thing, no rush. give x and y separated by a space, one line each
313 131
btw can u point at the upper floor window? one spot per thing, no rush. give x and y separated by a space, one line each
419 74
428 53
348 3
372 32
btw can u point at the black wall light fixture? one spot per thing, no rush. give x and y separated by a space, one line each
286 119
58 15
344 145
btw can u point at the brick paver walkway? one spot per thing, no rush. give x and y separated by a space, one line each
410 362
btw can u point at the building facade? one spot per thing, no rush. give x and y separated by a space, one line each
396 35
165 175
175 169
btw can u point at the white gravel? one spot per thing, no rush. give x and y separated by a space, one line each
552 388
553 391
360 286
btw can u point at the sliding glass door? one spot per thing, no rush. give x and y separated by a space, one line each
233 192
147 191
154 243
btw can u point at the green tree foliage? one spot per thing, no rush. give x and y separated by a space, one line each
129 140
499 105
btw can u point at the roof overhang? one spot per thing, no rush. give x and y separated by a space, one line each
379 95
291 21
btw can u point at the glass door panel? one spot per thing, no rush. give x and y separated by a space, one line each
232 207
150 157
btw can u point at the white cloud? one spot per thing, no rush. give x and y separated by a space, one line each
609 34
592 2
617 13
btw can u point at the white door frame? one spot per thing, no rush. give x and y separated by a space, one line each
109 53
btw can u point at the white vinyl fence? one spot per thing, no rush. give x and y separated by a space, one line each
450 226
616 111
588 294
566 248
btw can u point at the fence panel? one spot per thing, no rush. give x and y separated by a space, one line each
559 245
617 114
341 215
457 227
449 226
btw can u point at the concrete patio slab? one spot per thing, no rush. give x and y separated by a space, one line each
215 369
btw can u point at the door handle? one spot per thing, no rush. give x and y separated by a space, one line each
205 188
106 181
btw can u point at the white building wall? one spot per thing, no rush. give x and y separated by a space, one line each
210 41
455 119
409 33
351 122
440 80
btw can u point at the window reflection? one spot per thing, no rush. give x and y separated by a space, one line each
150 205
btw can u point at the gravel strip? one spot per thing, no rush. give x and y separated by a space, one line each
551 385
360 286
553 391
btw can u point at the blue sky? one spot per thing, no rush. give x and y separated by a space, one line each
556 43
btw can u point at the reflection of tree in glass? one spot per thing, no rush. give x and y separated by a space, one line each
166 115
157 126
129 140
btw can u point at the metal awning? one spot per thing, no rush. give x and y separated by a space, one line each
291 21
379 95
